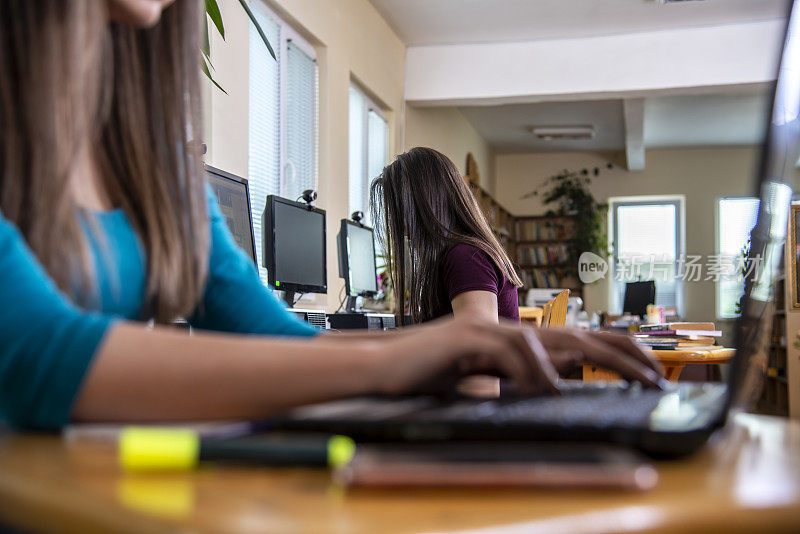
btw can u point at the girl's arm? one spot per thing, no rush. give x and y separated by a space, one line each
159 374
164 374
478 304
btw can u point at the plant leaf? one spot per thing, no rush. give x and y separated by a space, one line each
258 28
207 60
212 8
205 47
205 70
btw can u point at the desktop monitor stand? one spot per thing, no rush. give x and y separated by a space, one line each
288 298
350 305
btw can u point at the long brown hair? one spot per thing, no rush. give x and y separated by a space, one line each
72 80
422 198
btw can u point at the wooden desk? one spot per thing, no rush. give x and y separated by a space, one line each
746 480
673 361
531 314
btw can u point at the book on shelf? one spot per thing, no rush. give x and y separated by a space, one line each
544 230
542 254
538 278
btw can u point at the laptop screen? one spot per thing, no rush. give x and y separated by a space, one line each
774 187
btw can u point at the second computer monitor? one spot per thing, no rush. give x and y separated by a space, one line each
294 246
356 244
233 198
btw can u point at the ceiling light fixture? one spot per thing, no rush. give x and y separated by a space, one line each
563 133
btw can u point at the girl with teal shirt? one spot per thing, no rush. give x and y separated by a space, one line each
106 223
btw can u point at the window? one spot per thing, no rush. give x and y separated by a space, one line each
647 243
736 217
283 117
369 143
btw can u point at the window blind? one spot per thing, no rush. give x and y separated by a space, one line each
377 145
737 217
369 143
264 147
355 157
301 123
647 241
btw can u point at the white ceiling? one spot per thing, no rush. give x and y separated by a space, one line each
670 121
732 115
697 120
508 128
429 22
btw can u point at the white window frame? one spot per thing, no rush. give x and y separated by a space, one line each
680 240
718 248
366 179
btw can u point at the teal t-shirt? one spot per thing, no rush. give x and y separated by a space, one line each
47 342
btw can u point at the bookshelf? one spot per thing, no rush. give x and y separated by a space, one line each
544 251
499 218
775 394
539 246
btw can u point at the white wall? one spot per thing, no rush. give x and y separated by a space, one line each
225 115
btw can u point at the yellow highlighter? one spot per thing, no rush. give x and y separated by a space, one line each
176 449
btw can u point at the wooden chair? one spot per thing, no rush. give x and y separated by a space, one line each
548 308
530 314
558 312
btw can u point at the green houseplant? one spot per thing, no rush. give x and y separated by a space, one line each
568 194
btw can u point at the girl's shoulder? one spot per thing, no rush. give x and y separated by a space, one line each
464 253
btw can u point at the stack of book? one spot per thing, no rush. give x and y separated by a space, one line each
671 336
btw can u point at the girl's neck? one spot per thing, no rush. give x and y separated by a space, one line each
86 182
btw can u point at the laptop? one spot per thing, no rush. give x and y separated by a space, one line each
670 422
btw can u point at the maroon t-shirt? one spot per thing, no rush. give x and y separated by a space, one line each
468 268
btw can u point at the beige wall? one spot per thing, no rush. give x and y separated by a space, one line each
351 41
701 174
446 130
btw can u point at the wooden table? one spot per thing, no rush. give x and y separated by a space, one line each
673 361
746 480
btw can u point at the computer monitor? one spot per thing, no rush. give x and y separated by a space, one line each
638 295
294 247
233 198
356 248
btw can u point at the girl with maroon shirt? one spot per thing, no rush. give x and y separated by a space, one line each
454 264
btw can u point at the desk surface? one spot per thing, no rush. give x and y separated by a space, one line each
747 479
697 355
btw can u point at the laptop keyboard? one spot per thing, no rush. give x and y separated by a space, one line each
589 407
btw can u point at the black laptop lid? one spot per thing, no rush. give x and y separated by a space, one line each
774 186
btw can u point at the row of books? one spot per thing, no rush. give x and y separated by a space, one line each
542 230
671 336
533 278
542 254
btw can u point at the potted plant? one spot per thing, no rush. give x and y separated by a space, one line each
569 195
